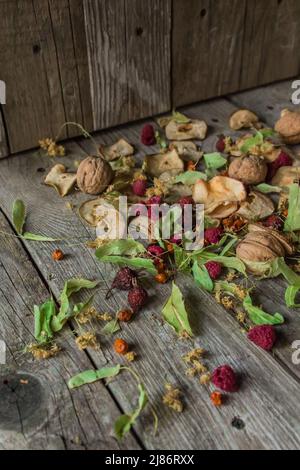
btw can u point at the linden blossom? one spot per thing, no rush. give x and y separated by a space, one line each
162 222
116 460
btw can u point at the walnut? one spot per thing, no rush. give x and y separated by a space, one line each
288 126
243 118
94 174
261 245
248 169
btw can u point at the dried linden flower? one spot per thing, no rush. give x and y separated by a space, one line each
104 316
241 316
193 355
172 399
205 378
43 351
87 340
130 356
52 148
227 302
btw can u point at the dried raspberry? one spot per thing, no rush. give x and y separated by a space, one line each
139 187
155 250
283 159
212 235
176 239
154 200
186 201
220 145
137 297
214 269
148 135
263 336
124 279
274 221
224 378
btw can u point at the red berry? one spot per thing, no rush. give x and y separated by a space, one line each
124 279
137 297
148 135
176 239
154 200
186 201
155 250
274 221
220 145
139 187
213 235
224 378
214 269
283 159
263 336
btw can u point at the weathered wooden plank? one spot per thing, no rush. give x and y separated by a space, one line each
271 42
34 107
266 402
223 47
3 143
129 59
37 411
207 48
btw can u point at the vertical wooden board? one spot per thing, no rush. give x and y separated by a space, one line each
271 42
80 51
148 26
129 59
34 105
3 143
207 46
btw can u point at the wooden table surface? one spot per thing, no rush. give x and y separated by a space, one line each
45 414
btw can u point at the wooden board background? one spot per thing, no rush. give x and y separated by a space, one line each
107 62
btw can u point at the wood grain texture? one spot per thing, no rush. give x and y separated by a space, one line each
3 142
271 41
43 413
129 59
207 48
223 47
266 402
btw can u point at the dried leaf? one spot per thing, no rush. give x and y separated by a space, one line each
125 422
201 277
190 177
292 222
18 215
111 327
174 312
259 316
120 247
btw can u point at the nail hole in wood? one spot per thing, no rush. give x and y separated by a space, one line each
215 120
270 108
36 48
139 31
203 12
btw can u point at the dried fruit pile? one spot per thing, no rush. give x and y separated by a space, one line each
250 190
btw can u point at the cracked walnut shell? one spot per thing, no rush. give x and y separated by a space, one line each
94 175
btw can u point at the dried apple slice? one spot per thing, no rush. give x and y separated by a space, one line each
156 165
257 207
59 179
195 129
119 149
187 150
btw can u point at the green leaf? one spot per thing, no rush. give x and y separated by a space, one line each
90 376
160 140
214 160
38 238
43 315
190 177
292 222
268 188
111 327
290 296
174 312
143 263
257 139
122 426
127 247
18 215
124 423
65 312
258 316
180 118
201 277
181 258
